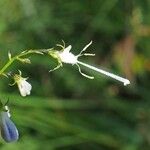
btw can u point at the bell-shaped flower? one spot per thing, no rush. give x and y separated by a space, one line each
8 129
24 86
65 56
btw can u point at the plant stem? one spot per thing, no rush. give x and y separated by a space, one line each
7 65
9 62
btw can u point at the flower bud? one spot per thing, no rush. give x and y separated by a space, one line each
25 60
8 129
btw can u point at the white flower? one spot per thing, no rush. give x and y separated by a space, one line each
65 56
24 86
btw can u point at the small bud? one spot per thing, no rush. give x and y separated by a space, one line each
24 60
9 55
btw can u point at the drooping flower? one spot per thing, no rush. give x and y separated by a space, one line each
24 86
65 56
8 129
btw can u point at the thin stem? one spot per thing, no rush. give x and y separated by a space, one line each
125 81
7 65
18 56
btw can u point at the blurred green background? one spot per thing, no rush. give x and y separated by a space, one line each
67 111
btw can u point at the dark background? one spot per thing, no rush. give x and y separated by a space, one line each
67 111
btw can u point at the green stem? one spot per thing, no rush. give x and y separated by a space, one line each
7 65
18 56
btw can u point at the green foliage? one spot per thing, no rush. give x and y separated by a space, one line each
97 114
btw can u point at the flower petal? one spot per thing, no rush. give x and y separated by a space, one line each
27 87
24 87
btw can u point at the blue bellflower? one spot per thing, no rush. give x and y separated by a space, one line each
9 131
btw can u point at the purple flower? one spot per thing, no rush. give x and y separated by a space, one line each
8 129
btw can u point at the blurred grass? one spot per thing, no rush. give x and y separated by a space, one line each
65 123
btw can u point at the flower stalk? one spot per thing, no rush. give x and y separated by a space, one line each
19 56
